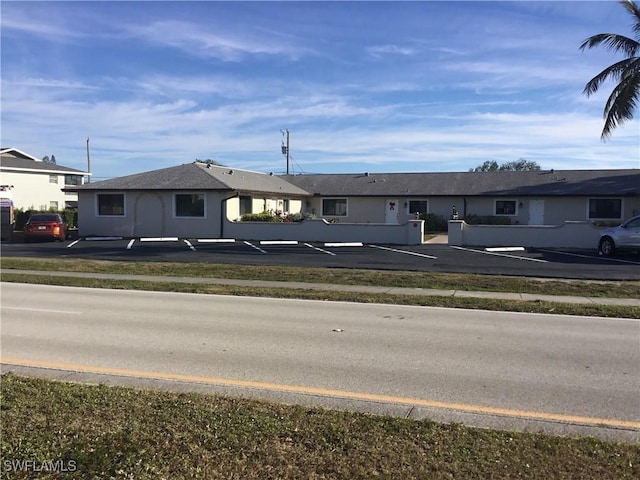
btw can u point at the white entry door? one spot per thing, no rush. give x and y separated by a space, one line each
392 211
536 212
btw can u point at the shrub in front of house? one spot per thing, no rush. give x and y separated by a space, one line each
261 217
433 222
487 220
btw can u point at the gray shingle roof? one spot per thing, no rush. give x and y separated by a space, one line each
198 176
9 160
530 183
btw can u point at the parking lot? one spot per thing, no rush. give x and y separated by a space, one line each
438 257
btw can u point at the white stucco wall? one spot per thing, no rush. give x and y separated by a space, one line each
319 230
148 214
566 235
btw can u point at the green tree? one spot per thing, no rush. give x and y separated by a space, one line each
519 165
624 98
488 166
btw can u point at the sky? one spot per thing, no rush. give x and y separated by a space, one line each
368 86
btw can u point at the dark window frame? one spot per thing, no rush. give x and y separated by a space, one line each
333 210
412 211
245 204
503 207
195 208
110 210
597 212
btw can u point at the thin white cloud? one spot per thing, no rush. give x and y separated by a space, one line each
212 42
379 51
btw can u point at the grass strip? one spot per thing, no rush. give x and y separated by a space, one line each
618 311
337 276
100 432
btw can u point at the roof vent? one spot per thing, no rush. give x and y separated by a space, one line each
230 172
208 165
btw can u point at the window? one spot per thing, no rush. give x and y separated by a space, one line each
334 206
53 205
286 205
72 180
53 178
111 204
417 206
605 208
505 207
189 205
246 205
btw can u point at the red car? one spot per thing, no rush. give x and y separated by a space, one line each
45 226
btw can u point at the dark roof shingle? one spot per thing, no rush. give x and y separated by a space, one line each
526 183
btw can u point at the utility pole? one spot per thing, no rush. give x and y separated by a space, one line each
88 162
285 148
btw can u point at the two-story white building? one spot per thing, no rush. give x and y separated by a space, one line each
37 185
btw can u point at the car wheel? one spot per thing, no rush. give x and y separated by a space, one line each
607 247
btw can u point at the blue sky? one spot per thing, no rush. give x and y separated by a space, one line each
361 86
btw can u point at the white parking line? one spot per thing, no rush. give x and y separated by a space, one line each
73 243
189 245
320 249
504 249
159 239
500 254
591 257
423 255
343 244
278 242
253 246
216 240
130 244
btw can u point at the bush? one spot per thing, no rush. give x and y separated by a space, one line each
434 223
294 217
487 220
69 215
261 217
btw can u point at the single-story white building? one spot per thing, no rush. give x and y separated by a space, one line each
186 201
205 200
545 197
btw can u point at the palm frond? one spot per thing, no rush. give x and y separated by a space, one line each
614 42
624 98
634 10
622 102
613 72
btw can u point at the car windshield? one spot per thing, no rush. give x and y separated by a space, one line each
44 218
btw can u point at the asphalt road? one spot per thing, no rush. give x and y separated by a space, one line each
584 264
506 370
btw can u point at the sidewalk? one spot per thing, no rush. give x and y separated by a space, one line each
630 302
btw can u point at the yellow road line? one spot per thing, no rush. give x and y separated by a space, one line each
417 402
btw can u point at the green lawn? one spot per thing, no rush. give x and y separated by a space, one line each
113 432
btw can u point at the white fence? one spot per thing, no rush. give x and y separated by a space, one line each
319 230
567 235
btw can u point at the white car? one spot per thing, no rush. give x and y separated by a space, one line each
622 237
